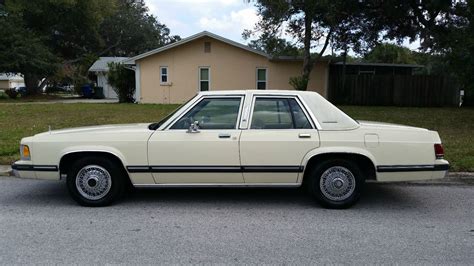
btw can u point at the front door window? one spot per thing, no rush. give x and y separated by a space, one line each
212 113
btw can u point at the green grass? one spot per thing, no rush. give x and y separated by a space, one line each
455 125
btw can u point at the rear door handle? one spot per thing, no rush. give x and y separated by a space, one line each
224 135
304 135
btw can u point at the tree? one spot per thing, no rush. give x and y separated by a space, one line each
314 25
444 29
49 40
132 30
123 82
23 51
390 53
52 33
272 45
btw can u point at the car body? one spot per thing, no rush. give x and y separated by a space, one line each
21 90
237 139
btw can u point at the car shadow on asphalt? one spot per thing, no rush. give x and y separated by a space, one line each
56 194
375 195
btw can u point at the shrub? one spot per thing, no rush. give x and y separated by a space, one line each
3 96
123 82
12 93
299 83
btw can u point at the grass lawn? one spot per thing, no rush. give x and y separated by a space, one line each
35 98
455 125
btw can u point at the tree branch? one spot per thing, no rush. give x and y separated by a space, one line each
326 43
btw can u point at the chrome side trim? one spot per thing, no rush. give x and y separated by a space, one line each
32 167
212 185
215 169
412 168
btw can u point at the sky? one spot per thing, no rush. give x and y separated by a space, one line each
227 18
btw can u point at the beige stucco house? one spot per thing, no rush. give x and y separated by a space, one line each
205 61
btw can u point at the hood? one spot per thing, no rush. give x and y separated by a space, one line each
100 129
382 125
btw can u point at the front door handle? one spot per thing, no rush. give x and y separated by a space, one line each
304 135
224 135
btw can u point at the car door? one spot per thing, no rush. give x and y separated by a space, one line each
208 152
278 137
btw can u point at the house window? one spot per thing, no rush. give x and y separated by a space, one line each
261 78
164 74
207 47
204 78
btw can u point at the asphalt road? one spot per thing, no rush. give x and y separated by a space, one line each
403 224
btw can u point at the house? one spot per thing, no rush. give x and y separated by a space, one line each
99 69
8 81
205 61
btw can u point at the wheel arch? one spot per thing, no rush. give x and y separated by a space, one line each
69 157
364 160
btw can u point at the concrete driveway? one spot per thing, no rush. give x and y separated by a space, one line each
65 101
404 224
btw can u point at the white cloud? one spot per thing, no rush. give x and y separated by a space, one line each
227 18
235 21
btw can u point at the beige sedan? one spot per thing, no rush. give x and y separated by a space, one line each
236 139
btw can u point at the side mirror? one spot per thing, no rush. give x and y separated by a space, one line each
193 127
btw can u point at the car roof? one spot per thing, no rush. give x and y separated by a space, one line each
265 92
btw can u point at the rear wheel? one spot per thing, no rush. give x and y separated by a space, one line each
336 183
95 181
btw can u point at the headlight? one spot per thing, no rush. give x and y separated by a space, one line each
25 152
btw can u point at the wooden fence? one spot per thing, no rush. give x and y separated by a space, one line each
399 90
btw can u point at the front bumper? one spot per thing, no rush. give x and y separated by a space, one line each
24 169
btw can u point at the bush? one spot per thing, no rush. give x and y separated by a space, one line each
299 83
3 96
123 82
12 93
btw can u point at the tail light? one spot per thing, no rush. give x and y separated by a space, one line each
439 151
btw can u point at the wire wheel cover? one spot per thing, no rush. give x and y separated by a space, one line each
337 183
93 182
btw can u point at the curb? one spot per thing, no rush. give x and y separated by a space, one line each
5 170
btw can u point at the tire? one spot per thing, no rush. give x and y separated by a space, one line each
95 181
336 183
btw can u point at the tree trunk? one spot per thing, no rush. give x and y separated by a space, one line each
344 61
31 83
307 62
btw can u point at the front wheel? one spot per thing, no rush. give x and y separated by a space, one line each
336 183
95 181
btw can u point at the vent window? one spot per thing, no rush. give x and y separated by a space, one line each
207 47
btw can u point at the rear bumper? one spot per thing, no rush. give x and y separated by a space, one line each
396 173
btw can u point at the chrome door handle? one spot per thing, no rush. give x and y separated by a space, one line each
304 135
224 135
